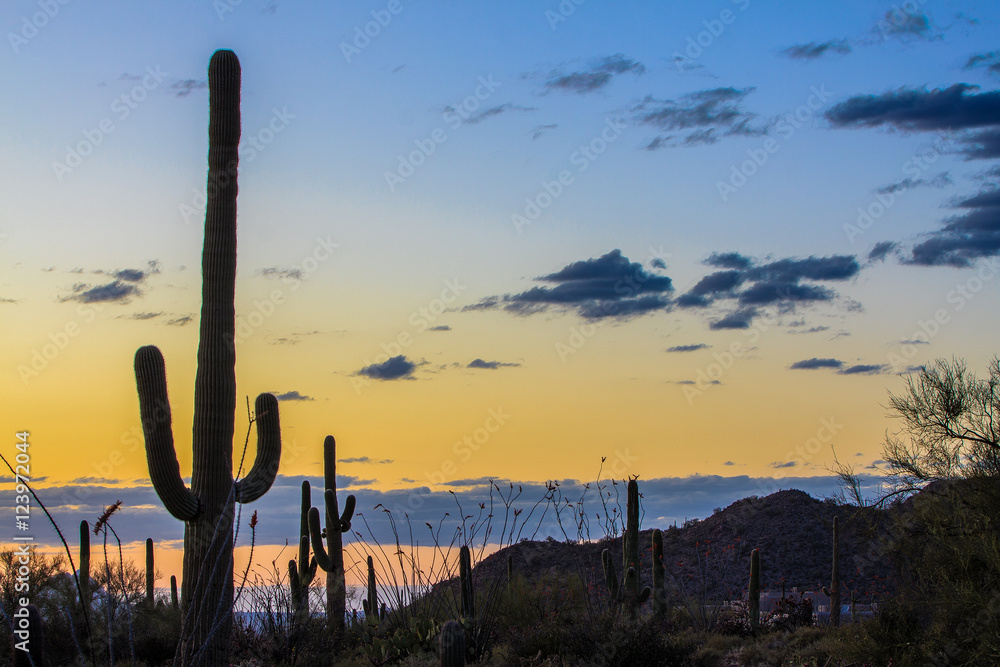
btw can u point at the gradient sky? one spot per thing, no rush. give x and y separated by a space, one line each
703 240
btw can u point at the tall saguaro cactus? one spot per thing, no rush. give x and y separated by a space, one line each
207 508
628 593
331 559
632 596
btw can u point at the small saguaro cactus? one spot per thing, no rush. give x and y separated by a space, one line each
208 507
29 637
84 575
452 644
510 568
371 602
833 592
302 572
610 577
753 606
465 582
150 572
659 592
173 593
331 558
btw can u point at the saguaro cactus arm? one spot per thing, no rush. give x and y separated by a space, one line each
316 530
265 465
610 576
161 457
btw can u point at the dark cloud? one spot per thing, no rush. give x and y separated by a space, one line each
180 321
130 275
864 369
606 286
786 464
658 263
688 348
720 281
834 267
812 50
689 300
982 145
702 117
597 77
881 250
952 108
394 368
767 292
728 260
121 290
741 319
143 316
490 365
440 327
989 61
817 363
964 238
115 292
754 284
293 396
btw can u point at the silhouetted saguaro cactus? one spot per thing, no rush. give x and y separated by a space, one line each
207 508
753 605
834 590
465 582
627 593
371 602
452 644
632 597
659 592
331 558
301 572
173 593
610 577
84 573
150 572
29 637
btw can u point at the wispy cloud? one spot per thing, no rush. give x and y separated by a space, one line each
598 76
491 365
702 117
814 50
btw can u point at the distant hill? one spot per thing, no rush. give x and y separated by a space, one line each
792 530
